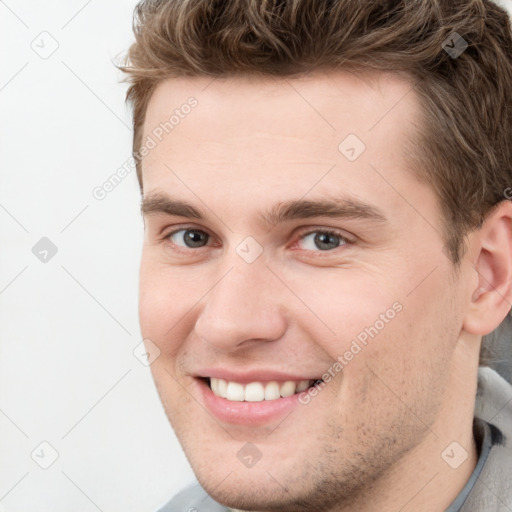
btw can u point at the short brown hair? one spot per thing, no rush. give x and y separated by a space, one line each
465 146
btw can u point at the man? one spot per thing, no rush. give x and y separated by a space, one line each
327 241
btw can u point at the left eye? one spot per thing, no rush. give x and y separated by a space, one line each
323 240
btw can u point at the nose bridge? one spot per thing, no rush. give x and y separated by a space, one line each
241 306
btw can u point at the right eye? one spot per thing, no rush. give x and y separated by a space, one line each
189 238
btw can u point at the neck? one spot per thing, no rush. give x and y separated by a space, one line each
429 477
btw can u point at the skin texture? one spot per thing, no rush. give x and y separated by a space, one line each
372 439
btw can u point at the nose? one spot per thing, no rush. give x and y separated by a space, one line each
244 306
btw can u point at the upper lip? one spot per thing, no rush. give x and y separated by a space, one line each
254 375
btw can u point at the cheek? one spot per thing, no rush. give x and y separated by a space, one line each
346 306
413 353
164 302
385 319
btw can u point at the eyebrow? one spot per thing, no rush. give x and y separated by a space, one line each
340 208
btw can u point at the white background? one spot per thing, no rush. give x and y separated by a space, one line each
69 325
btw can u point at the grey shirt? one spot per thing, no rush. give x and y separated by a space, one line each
489 488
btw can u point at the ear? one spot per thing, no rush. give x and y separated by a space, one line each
492 299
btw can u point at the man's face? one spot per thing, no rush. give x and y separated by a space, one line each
268 287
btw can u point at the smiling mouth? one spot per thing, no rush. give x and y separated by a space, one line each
258 391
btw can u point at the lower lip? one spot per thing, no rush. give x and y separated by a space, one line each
246 413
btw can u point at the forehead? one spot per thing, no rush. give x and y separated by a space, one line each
266 135
329 102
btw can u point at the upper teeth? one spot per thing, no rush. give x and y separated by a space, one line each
256 391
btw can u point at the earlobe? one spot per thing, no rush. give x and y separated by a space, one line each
491 300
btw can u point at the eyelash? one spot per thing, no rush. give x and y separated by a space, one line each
301 235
